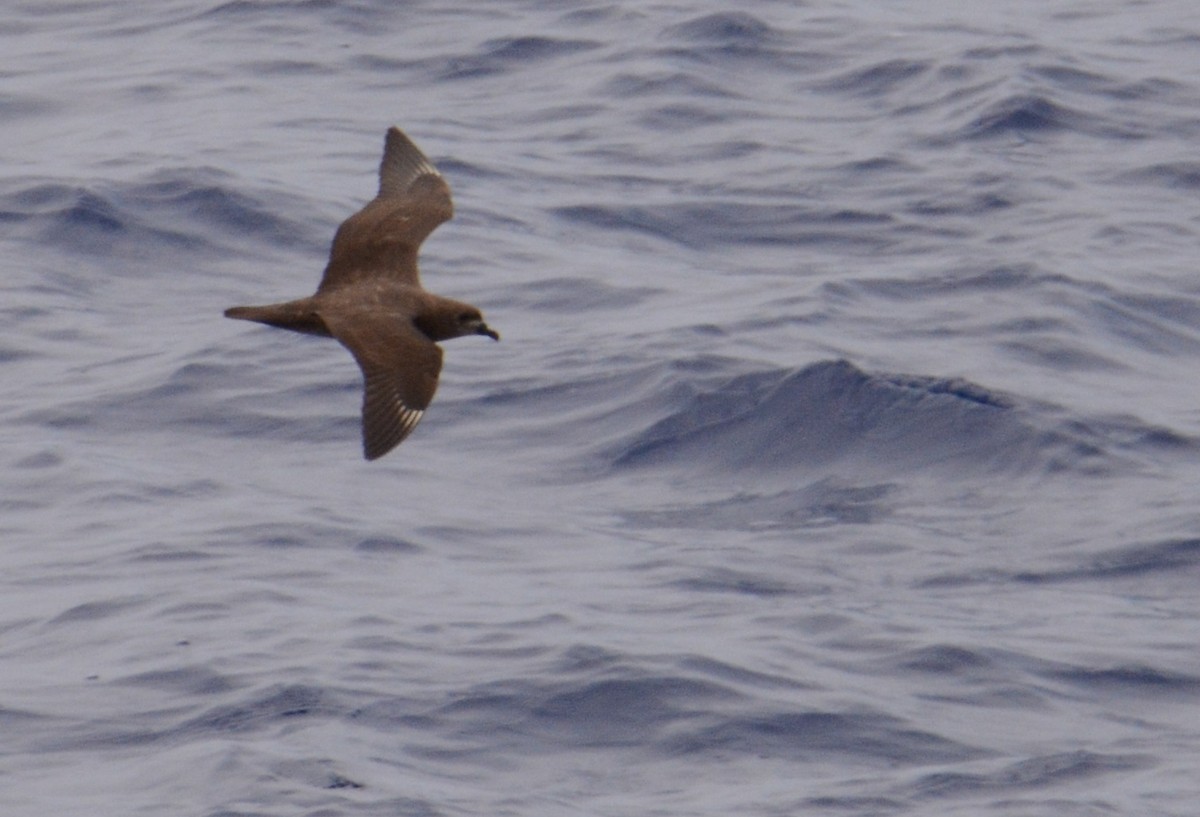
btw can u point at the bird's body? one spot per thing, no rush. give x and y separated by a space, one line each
371 300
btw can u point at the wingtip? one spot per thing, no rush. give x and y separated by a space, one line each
382 434
373 451
393 139
402 162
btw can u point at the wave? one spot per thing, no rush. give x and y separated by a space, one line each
1029 774
832 415
1154 562
733 222
196 210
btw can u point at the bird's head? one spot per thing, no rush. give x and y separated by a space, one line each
470 322
451 319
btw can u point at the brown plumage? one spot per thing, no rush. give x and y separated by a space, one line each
371 300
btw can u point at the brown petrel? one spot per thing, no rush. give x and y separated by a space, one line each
371 300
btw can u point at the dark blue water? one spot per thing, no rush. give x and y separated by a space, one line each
840 457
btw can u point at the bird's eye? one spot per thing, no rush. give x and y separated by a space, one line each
466 317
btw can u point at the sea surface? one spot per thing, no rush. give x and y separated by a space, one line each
841 455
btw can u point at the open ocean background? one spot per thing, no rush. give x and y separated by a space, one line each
841 456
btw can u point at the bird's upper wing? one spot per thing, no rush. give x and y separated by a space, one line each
381 240
400 369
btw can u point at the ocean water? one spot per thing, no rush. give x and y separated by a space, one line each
841 455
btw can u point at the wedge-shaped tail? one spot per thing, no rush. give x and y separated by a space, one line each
299 316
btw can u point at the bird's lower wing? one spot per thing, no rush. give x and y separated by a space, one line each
400 369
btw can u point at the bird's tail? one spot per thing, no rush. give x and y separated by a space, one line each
247 313
299 316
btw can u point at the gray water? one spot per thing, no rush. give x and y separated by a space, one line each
840 456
